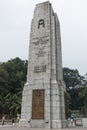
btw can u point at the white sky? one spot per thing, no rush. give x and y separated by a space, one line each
15 20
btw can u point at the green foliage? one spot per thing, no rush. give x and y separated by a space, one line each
72 78
83 99
74 86
12 79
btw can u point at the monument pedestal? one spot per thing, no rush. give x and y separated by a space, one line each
56 124
24 123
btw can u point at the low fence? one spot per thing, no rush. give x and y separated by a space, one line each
78 122
9 120
75 122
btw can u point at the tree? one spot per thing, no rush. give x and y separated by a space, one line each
4 76
72 78
12 79
74 81
83 99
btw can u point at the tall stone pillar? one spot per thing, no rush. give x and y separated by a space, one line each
43 104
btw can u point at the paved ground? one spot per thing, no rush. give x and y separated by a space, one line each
25 128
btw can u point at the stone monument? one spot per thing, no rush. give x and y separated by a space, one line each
43 102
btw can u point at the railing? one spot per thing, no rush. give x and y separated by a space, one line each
78 122
75 122
9 122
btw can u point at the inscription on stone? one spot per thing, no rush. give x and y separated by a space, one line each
38 69
38 104
41 52
40 41
40 45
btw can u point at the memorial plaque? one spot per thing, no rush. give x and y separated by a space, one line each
38 104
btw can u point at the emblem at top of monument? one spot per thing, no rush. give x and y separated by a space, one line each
41 23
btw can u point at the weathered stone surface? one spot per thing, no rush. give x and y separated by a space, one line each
84 122
44 73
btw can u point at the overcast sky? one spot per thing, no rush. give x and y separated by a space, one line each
15 20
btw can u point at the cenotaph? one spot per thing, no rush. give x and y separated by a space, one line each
43 102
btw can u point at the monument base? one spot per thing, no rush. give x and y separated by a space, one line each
34 123
24 123
56 124
37 123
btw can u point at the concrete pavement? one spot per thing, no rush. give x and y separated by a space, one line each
9 127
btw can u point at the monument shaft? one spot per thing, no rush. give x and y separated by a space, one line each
43 102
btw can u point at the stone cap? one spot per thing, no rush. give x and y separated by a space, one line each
43 3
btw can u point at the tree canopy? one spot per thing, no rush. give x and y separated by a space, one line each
76 86
12 79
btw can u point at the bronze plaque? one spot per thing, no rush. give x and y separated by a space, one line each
38 104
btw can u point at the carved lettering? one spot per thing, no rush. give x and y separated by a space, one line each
38 69
41 53
40 41
36 38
